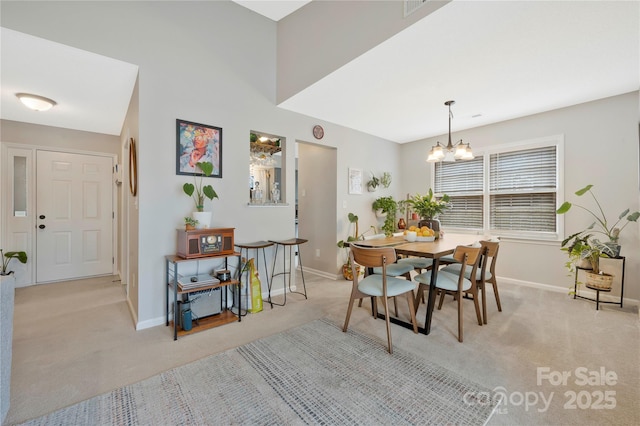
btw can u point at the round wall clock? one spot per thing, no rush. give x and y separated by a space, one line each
318 131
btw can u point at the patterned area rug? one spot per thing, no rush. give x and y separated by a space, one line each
312 374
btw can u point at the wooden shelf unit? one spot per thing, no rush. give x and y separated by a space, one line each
203 323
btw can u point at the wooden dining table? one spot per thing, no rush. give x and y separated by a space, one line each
432 249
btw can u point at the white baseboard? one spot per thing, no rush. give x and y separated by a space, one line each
583 292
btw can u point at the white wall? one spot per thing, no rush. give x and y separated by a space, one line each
223 73
219 72
601 148
355 27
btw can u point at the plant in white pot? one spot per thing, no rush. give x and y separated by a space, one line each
601 226
388 206
198 192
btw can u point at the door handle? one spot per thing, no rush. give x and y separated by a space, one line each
41 226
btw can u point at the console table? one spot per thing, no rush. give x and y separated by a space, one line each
224 317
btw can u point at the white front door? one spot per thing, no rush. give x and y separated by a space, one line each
74 216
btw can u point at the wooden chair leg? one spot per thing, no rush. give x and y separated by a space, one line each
484 301
386 319
477 306
495 291
419 296
395 305
459 297
442 294
346 320
412 311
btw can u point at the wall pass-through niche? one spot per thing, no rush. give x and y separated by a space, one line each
266 169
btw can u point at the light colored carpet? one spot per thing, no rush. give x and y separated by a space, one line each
75 340
311 374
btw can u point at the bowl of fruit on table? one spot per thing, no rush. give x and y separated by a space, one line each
415 233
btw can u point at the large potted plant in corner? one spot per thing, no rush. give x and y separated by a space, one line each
388 206
198 192
347 272
428 208
601 225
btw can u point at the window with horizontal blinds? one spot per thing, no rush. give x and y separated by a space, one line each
459 177
532 169
522 188
462 181
520 195
523 212
465 212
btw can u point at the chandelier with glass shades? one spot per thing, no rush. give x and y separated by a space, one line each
450 153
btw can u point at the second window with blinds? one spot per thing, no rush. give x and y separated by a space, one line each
509 190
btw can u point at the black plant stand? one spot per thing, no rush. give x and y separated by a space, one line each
598 290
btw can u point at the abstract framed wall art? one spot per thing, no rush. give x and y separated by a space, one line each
196 143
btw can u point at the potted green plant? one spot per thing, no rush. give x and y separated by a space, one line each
388 206
374 182
601 224
385 180
347 273
585 253
190 223
428 207
6 258
198 192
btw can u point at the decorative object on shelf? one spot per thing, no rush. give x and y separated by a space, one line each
190 223
601 225
347 272
133 168
199 192
6 258
428 207
256 194
197 143
318 131
389 206
450 153
401 223
275 193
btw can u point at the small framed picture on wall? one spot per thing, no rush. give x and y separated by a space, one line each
355 181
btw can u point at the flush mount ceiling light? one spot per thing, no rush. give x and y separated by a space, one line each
35 102
450 153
